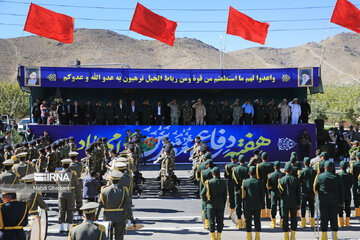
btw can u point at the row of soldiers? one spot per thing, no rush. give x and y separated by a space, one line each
258 188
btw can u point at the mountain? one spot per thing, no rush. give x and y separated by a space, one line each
341 57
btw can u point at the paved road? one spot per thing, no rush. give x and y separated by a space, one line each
178 216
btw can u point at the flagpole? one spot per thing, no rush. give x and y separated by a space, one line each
224 49
323 47
220 51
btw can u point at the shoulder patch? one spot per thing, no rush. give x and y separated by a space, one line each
101 227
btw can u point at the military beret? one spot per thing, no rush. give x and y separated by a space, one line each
343 164
288 168
215 170
116 175
169 144
293 154
252 170
89 207
197 140
306 160
256 152
357 155
264 155
66 161
72 154
22 154
323 154
8 162
29 178
241 158
207 155
209 162
277 164
71 138
329 164
120 165
233 156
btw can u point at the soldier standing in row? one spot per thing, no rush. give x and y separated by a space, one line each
347 181
41 162
147 112
72 144
23 168
211 113
253 195
200 112
240 173
8 178
237 112
355 171
205 175
289 187
77 166
187 113
174 112
51 160
272 186
230 184
215 193
330 191
167 171
224 112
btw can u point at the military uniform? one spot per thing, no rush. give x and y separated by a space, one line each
41 163
253 195
262 172
8 177
355 171
289 187
187 114
224 113
23 168
117 205
147 113
205 175
215 193
272 186
51 163
167 170
237 112
307 177
211 114
78 168
230 184
240 173
174 113
347 181
329 188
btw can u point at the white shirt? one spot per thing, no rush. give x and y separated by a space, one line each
133 108
295 108
159 110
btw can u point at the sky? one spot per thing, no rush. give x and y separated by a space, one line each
205 20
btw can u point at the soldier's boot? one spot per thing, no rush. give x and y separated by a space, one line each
239 225
341 221
335 236
248 236
281 222
292 235
212 236
231 212
324 236
312 222
286 236
263 213
303 222
61 229
268 213
257 236
206 226
218 236
273 223
347 222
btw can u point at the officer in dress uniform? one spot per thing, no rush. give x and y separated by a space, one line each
253 194
23 168
116 203
88 229
230 184
272 186
347 181
215 193
263 170
13 216
8 177
7 152
30 196
329 188
240 173
355 171
307 177
289 187
42 161
206 175
77 166
66 195
50 160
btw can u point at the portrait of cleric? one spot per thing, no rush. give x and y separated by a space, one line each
305 77
32 77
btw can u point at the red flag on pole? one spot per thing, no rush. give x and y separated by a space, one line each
244 26
49 24
346 15
150 24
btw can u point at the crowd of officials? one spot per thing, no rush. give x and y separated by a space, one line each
173 112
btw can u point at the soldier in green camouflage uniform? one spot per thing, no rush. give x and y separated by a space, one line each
230 184
187 113
167 170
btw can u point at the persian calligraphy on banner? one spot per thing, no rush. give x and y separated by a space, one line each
278 140
169 78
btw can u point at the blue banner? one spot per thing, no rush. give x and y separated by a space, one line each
278 140
59 77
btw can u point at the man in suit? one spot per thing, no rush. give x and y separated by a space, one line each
76 113
159 114
120 113
62 113
69 111
133 113
88 113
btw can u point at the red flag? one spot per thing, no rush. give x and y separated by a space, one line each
346 15
244 26
153 25
49 24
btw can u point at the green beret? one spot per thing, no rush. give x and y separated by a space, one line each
288 168
241 158
252 170
215 170
343 164
323 154
233 156
277 164
357 155
207 155
209 161
329 164
293 159
293 154
264 155
306 160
